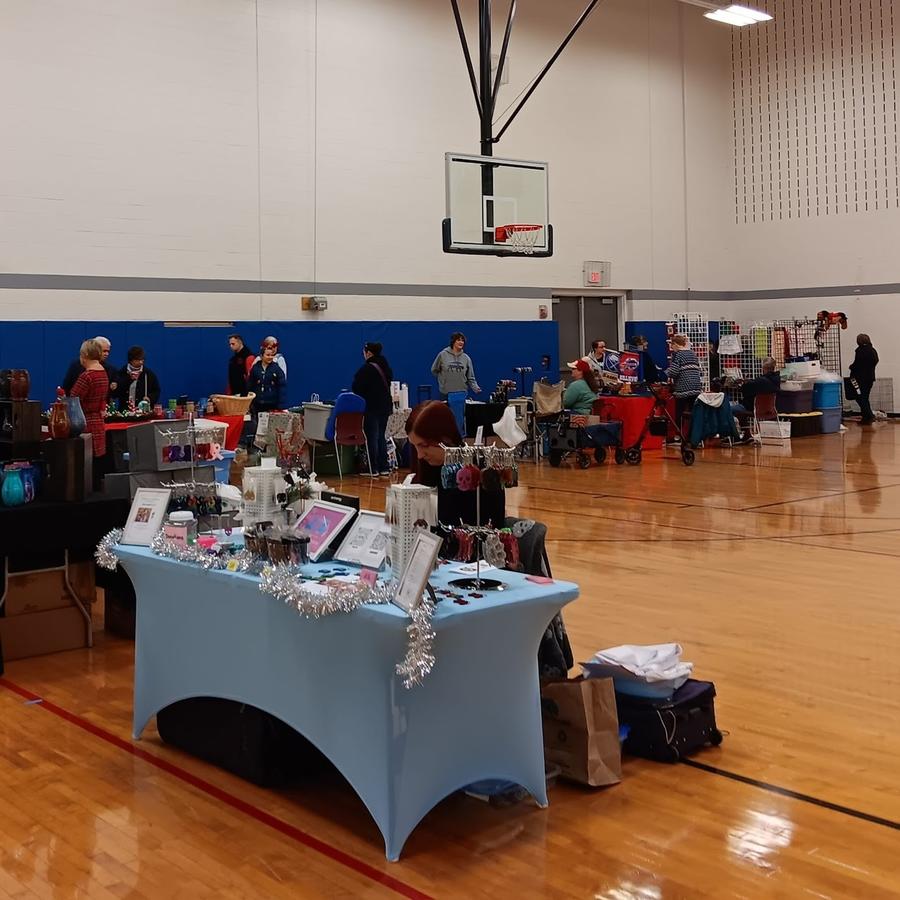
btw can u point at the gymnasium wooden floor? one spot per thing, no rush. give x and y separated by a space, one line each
777 569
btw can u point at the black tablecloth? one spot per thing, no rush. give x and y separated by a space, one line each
483 414
40 526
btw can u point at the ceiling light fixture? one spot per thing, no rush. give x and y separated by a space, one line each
738 16
735 14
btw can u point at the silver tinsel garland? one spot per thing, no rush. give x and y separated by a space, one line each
198 556
105 554
419 659
284 583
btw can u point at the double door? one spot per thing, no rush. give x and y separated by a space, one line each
582 320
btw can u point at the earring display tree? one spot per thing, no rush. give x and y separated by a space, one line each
474 468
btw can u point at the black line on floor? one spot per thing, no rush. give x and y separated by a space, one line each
794 795
833 495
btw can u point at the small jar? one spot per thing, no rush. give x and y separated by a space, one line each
181 528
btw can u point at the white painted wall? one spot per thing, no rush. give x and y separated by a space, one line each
295 140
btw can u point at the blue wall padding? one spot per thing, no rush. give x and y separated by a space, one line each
655 332
322 356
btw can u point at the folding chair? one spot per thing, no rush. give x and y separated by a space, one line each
764 410
346 429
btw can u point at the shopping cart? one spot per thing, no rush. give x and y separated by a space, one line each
658 423
572 434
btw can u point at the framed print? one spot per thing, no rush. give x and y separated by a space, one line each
321 522
146 516
366 542
418 569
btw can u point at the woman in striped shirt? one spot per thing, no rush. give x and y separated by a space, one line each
684 371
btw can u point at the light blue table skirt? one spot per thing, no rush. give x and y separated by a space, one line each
476 716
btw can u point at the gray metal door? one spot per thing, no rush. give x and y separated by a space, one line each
583 320
567 314
601 322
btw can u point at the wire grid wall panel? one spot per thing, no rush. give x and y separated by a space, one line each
809 337
881 398
756 345
815 116
696 327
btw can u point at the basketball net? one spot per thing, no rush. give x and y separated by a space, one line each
521 237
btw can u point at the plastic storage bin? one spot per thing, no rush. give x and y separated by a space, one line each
826 395
794 401
831 420
804 424
223 466
774 432
315 418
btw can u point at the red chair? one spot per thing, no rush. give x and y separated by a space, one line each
763 411
350 432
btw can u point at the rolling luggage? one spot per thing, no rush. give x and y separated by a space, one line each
669 730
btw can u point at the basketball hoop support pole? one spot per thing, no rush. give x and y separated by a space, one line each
486 95
487 108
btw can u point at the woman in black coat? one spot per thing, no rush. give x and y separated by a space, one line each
372 382
863 370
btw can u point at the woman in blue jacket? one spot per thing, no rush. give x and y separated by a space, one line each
268 381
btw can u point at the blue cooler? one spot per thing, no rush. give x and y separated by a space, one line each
223 466
826 395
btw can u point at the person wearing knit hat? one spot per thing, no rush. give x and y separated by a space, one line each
582 391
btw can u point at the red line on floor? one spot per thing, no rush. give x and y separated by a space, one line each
296 834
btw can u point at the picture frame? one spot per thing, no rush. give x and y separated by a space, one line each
366 541
419 567
146 516
322 522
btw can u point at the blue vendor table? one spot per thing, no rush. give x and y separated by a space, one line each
476 716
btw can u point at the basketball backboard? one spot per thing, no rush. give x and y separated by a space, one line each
486 195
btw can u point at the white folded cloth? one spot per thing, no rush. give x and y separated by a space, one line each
712 398
507 429
651 662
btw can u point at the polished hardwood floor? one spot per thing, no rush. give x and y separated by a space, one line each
777 570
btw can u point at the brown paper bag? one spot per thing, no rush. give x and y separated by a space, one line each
581 730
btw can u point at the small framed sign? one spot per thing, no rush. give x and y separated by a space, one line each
321 522
146 516
366 542
418 570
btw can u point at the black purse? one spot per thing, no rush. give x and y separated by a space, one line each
851 388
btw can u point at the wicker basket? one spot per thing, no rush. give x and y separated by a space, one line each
228 405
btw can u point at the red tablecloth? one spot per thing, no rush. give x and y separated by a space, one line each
633 411
234 424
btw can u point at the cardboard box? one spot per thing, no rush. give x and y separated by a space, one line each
38 633
45 591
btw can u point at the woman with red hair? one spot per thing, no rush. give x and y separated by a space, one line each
429 426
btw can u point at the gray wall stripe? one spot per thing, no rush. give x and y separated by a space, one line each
237 286
12 281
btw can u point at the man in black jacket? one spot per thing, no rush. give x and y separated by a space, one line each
75 368
239 365
768 383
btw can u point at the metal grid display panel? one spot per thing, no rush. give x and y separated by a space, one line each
696 327
780 339
756 345
881 399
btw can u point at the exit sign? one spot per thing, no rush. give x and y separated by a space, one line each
597 274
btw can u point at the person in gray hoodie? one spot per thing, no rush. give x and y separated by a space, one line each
453 368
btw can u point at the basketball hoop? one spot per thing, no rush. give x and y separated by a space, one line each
521 237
